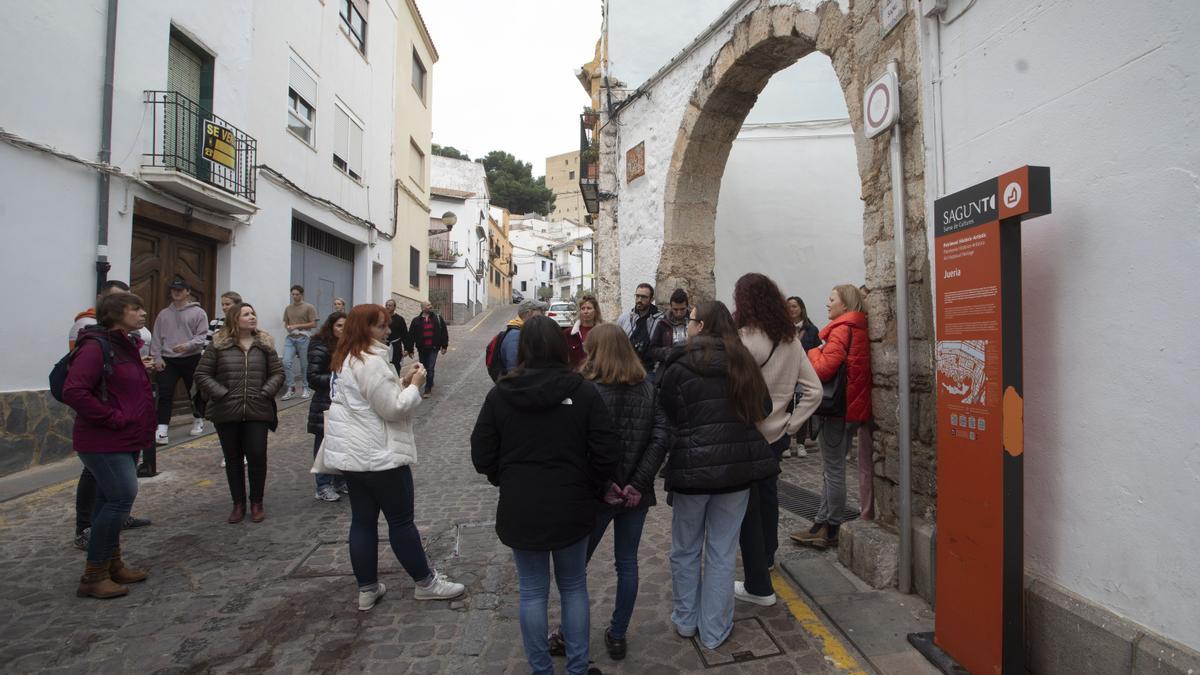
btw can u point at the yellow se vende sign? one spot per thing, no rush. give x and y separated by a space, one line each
219 145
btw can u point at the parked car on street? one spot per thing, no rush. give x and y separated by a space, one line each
563 312
517 296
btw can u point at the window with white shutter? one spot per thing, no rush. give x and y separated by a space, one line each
302 102
347 143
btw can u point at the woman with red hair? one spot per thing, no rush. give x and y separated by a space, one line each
369 438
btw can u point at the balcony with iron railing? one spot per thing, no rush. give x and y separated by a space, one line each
198 156
589 161
442 251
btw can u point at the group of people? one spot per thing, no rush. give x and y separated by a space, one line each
584 419
575 433
238 376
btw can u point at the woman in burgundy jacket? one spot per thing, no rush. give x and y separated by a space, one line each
845 341
114 419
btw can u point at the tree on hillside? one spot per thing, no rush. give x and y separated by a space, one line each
449 151
513 186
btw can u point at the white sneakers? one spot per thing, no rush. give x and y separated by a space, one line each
327 493
291 394
440 589
367 599
197 427
739 592
307 393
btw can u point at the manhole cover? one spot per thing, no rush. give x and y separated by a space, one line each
749 641
332 559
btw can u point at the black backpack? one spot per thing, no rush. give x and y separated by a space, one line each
58 374
491 354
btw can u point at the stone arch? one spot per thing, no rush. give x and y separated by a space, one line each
763 42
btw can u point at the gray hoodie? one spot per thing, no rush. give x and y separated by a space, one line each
174 326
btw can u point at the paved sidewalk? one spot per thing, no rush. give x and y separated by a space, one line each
279 596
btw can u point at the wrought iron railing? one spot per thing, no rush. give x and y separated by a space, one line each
443 252
589 161
194 141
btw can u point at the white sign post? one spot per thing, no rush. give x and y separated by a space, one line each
881 105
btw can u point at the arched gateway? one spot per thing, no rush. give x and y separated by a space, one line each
709 90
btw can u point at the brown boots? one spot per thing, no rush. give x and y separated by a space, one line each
120 573
257 514
107 579
238 513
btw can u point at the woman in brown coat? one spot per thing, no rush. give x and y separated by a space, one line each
240 375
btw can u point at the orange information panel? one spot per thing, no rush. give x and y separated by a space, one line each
980 437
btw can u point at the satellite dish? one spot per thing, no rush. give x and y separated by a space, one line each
449 219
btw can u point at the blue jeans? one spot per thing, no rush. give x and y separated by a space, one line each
705 526
116 488
389 491
570 574
295 346
627 534
428 357
323 479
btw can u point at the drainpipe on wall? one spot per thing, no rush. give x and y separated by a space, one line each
110 57
904 423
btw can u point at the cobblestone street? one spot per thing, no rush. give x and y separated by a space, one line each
279 596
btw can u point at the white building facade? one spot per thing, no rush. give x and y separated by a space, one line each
458 283
250 149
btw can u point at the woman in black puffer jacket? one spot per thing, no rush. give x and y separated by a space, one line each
630 398
240 375
713 394
320 350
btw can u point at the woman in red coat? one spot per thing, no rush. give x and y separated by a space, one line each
845 341
589 317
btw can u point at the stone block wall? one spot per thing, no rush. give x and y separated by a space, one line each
34 430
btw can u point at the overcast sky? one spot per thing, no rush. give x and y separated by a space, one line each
505 77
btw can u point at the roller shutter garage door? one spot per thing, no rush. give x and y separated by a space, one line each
323 264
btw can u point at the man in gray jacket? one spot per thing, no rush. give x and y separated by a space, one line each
180 333
639 324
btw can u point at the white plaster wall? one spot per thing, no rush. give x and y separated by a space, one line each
656 122
790 209
1106 94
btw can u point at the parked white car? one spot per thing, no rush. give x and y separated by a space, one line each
563 312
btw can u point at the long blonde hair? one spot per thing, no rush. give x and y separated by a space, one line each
610 357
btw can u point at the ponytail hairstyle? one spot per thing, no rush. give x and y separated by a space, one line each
356 336
747 389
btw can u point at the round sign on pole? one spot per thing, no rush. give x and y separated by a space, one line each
881 105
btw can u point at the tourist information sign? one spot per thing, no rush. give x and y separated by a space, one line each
980 427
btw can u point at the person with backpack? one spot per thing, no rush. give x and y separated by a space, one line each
369 438
769 335
713 394
429 335
846 353
180 333
398 338
320 353
505 344
107 386
240 375
545 438
589 316
640 323
85 488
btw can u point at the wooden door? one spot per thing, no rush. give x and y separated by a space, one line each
157 256
441 296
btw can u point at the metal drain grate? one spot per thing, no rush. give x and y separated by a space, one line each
805 503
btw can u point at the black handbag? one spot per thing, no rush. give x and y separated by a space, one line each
833 392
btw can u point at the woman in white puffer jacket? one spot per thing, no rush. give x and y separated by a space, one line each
369 438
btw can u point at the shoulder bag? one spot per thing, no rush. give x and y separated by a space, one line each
833 395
